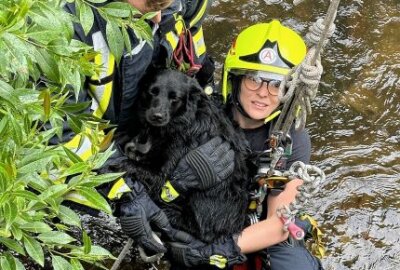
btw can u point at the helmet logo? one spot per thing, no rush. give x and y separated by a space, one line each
267 56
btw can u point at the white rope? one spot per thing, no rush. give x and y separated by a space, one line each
312 177
271 2
296 2
302 82
316 31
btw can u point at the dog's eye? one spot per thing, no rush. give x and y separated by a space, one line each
154 91
172 96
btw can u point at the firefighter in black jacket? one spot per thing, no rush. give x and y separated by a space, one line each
115 89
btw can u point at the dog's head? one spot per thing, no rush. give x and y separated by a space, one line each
168 95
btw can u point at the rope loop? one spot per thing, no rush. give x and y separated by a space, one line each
316 31
312 176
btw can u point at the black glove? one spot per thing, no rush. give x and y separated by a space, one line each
201 169
137 212
223 253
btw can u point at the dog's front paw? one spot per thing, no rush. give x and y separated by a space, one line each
136 150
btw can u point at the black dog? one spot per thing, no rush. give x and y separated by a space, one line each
174 116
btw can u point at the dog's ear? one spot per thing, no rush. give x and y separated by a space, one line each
195 91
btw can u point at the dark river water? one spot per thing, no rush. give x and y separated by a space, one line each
354 125
355 121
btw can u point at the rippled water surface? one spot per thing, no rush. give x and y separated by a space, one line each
355 122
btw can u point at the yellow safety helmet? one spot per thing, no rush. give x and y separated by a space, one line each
268 49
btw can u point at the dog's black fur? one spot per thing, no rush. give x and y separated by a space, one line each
171 117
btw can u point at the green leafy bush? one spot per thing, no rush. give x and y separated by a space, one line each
41 68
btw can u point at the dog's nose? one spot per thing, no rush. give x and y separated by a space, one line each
157 117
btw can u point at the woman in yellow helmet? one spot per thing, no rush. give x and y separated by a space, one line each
256 64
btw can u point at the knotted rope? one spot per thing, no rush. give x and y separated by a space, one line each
302 82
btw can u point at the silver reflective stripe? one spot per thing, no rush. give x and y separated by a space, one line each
84 148
100 45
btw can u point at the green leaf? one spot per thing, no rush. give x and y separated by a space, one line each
86 18
16 130
127 40
76 265
16 232
3 126
48 65
143 30
34 250
87 243
43 35
54 191
115 39
12 244
10 212
46 104
68 216
56 237
38 183
101 158
59 263
92 196
94 181
35 227
11 261
96 251
26 194
75 107
18 265
75 123
117 9
36 162
72 156
75 169
4 264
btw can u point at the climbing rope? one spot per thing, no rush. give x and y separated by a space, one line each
301 82
312 177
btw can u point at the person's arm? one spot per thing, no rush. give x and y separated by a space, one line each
269 232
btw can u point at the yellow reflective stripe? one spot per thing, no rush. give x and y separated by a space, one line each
318 245
198 42
172 39
168 192
78 198
119 188
200 14
179 25
101 95
253 205
218 260
106 97
104 58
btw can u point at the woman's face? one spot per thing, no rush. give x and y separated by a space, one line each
259 98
